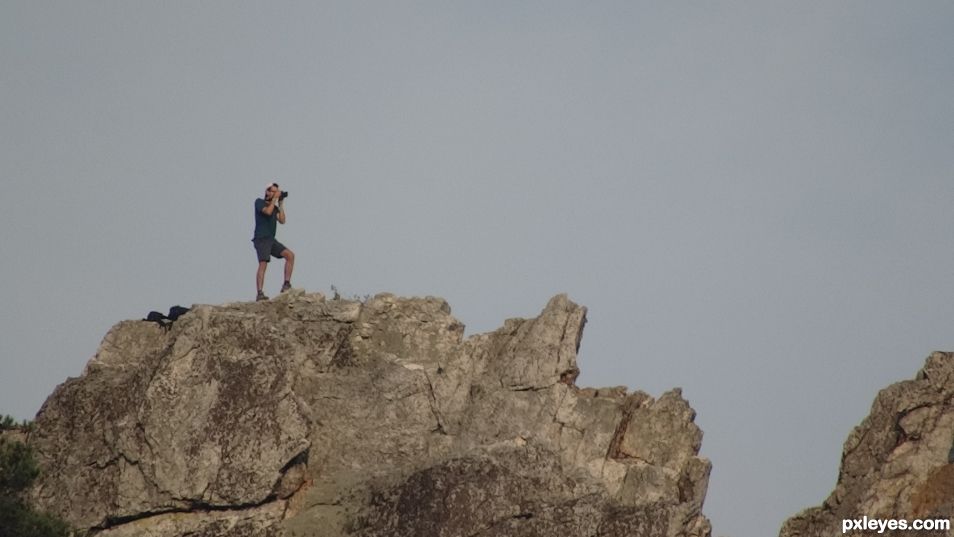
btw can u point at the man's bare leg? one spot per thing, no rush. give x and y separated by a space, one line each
260 275
289 264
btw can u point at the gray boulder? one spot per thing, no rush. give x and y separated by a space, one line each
898 464
303 416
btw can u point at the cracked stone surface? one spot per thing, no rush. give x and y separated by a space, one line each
898 463
302 416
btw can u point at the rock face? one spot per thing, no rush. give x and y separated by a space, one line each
302 416
899 463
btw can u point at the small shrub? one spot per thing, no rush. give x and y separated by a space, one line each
18 469
8 423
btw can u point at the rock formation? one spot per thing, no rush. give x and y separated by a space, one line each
899 463
13 435
302 416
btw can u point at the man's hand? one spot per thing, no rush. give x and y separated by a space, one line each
281 207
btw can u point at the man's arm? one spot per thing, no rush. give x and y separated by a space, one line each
281 211
269 207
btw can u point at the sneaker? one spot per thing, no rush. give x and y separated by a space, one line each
261 296
286 286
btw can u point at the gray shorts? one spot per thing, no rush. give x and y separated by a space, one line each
266 247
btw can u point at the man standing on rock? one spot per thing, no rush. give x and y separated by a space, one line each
269 212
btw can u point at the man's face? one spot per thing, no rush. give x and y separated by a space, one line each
270 192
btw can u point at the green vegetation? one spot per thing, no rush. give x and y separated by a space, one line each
18 469
336 295
8 423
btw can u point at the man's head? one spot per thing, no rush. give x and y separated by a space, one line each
271 190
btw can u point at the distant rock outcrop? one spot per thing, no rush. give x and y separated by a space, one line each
898 464
303 416
13 435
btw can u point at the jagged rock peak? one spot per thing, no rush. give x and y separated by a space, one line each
302 416
898 464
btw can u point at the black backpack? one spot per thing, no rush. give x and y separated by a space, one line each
166 321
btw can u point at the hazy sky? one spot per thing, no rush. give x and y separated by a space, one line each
753 199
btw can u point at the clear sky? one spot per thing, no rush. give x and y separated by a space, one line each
754 199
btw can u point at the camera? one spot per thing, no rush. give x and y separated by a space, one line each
283 195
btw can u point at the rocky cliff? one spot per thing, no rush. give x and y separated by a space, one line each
303 416
898 463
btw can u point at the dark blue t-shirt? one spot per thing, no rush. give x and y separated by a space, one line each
265 226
